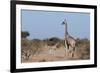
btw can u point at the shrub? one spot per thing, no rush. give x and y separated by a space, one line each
24 34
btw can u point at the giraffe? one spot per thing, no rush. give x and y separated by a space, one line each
52 46
70 42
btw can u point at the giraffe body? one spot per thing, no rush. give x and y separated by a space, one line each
70 42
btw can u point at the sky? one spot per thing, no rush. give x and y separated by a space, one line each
47 24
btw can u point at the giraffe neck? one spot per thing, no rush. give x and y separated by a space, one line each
66 29
66 36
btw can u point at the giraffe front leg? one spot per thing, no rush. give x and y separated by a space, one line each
66 49
66 52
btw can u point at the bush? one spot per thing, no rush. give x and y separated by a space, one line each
24 34
84 47
83 43
53 41
26 50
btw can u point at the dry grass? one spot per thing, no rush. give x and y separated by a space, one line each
38 51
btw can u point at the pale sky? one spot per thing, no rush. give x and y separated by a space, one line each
46 24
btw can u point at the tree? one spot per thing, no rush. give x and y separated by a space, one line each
24 34
54 39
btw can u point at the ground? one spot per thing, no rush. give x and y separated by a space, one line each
58 54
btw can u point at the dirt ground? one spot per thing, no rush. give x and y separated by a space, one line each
59 54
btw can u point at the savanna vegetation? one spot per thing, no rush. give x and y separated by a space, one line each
30 48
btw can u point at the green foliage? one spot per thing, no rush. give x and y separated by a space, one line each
24 34
52 41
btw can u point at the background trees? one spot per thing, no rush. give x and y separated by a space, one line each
24 34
